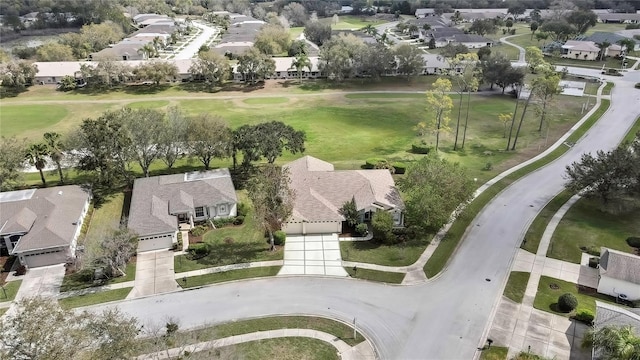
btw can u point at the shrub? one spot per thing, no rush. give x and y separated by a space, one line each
634 242
362 229
593 250
222 222
279 237
400 167
199 230
371 163
238 220
382 224
243 209
488 167
420 148
567 302
585 316
593 262
199 249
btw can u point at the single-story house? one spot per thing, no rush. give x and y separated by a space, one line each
285 70
599 37
630 34
611 315
424 12
122 51
41 226
320 191
619 274
619 18
159 204
580 50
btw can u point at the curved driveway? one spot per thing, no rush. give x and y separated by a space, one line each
444 318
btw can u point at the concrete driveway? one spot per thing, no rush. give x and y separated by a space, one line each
43 281
154 274
317 254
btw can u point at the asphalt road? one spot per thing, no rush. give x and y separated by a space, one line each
191 50
444 318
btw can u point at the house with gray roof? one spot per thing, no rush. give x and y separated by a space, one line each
611 315
41 226
619 274
159 204
600 37
320 191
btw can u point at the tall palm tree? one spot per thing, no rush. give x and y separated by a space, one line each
603 48
36 156
369 29
613 342
55 147
300 62
147 50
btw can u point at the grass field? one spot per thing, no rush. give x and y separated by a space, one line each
547 298
585 225
375 275
18 120
95 298
266 100
232 245
516 285
148 104
200 280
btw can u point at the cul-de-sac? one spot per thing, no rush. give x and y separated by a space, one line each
320 179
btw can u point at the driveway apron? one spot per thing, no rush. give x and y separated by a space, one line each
42 281
154 274
316 254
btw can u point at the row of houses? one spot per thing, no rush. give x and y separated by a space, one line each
590 48
53 72
154 29
240 35
442 34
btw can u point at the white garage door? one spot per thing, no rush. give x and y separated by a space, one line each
322 227
293 228
45 259
161 242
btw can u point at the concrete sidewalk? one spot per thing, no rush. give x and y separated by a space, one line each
362 351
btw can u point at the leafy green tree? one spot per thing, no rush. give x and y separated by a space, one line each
173 137
534 58
559 30
246 141
273 40
483 53
582 20
350 212
255 66
17 74
210 67
54 52
68 83
338 57
451 50
272 198
297 47
534 27
613 342
295 13
36 155
156 71
627 44
277 136
378 60
382 226
55 148
439 105
409 60
145 130
541 36
12 152
317 32
494 68
483 27
209 137
434 188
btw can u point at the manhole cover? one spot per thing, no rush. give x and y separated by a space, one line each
554 286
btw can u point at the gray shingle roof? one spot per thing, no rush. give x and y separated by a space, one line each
49 216
620 265
599 37
156 200
321 191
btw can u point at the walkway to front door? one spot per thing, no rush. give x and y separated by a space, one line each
317 254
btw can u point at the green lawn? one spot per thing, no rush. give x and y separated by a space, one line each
585 225
200 280
607 88
18 119
516 285
232 245
547 298
266 100
447 246
11 288
148 104
95 298
376 275
290 348
539 224
494 353
295 31
75 281
390 255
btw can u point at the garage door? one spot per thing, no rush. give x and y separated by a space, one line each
293 228
155 243
322 227
45 259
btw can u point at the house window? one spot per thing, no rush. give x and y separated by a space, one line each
396 218
367 215
200 211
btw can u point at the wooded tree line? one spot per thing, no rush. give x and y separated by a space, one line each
108 146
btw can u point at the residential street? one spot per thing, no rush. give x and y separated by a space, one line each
192 48
445 318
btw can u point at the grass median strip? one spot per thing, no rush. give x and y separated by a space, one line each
200 280
516 285
449 243
94 298
538 226
376 275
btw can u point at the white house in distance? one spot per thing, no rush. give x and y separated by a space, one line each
160 203
619 274
320 191
41 226
580 50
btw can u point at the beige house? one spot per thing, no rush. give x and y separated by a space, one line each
41 226
619 274
580 50
320 191
160 203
